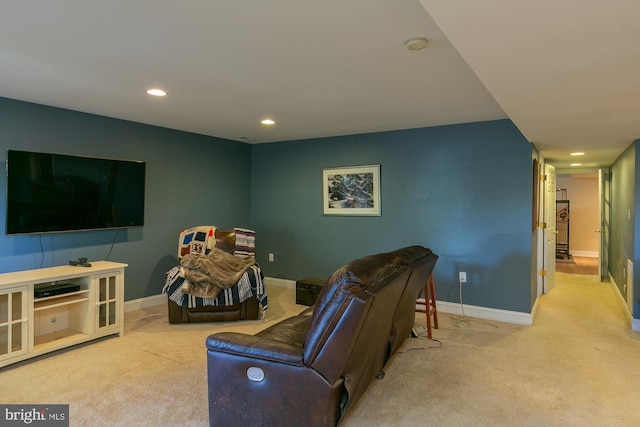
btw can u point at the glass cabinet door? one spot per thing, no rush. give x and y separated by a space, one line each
13 322
107 298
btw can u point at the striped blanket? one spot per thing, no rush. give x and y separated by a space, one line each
245 243
250 284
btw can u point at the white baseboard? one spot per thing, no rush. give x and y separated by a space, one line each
153 300
534 310
486 313
282 283
443 306
140 303
590 254
634 323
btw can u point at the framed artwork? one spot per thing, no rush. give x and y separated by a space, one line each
352 190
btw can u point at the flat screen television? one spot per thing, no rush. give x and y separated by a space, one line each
49 193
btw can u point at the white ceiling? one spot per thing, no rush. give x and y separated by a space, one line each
565 71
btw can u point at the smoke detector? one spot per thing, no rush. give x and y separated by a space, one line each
416 43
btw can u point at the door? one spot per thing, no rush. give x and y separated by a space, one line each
13 322
549 212
604 200
107 314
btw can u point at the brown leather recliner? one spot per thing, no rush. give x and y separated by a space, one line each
311 368
246 310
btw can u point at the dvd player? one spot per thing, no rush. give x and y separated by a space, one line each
56 289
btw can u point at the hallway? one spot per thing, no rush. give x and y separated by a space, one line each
591 349
582 300
578 265
576 365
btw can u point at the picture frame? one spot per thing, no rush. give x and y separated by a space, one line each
351 190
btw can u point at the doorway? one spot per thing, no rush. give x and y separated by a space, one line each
580 202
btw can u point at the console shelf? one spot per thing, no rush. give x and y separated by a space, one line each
32 326
60 338
60 300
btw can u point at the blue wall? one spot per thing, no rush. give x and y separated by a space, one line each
623 241
190 180
462 190
635 207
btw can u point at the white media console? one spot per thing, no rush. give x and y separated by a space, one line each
32 325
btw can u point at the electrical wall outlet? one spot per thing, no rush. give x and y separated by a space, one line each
270 257
462 276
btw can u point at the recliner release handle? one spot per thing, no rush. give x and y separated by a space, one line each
255 374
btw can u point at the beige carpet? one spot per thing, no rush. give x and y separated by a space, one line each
577 365
578 265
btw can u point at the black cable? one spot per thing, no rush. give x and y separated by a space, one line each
41 251
459 320
115 236
422 348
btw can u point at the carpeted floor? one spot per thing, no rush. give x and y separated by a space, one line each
577 365
578 265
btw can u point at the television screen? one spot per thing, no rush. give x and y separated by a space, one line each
55 192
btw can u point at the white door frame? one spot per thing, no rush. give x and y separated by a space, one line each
604 207
549 231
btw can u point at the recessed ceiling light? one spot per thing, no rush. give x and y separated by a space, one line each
268 122
157 92
416 43
578 153
576 164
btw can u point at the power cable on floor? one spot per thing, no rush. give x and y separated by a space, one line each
460 320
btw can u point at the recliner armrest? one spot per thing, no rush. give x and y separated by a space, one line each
255 347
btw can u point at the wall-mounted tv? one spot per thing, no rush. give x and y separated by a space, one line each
49 193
